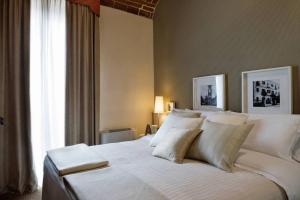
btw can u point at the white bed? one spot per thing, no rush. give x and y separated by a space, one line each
258 176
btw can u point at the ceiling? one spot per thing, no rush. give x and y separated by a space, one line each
145 8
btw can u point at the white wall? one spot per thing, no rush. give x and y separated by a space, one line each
126 70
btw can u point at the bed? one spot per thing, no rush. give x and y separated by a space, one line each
256 176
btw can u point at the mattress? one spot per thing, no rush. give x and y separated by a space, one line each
187 181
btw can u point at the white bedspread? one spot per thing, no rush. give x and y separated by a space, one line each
284 173
111 183
190 180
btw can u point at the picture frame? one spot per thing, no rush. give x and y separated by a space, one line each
171 106
209 92
268 91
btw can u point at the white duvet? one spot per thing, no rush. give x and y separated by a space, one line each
196 180
284 173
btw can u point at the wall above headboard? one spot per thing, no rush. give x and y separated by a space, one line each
206 37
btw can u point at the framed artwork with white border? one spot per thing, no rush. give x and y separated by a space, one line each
268 91
209 92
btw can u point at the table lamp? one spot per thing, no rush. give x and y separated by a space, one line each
159 107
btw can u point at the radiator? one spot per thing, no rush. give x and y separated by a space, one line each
117 135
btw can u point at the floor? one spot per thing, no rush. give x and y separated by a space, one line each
34 196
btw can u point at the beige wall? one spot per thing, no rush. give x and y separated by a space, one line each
126 70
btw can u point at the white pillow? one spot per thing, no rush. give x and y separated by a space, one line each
203 113
206 114
296 153
219 144
175 122
275 135
230 118
185 113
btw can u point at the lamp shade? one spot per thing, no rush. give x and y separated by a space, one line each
159 104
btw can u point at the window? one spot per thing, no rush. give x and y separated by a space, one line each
47 78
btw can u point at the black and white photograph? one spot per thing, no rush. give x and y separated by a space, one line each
266 93
208 95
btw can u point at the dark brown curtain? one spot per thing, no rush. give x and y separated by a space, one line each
82 41
16 166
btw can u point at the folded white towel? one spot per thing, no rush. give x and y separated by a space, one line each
75 158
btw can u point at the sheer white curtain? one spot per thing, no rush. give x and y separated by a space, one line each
47 77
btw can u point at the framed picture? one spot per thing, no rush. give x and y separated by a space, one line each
171 106
209 93
268 91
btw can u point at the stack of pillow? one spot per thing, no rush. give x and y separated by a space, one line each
217 138
176 134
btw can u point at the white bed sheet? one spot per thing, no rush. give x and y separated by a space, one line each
190 180
284 173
